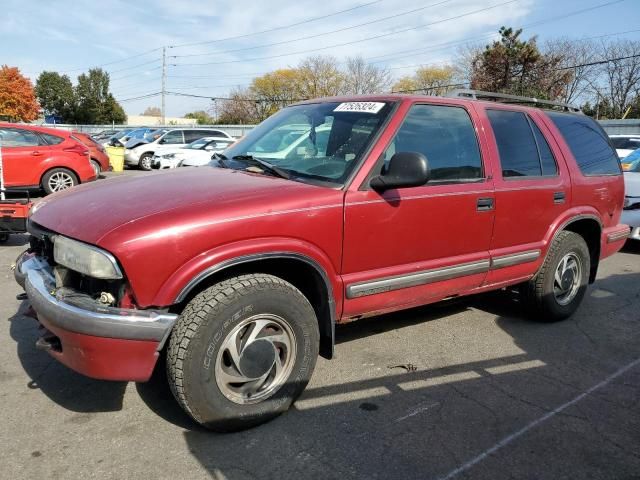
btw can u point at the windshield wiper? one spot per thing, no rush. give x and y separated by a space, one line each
221 159
266 166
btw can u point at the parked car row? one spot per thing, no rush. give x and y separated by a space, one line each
139 152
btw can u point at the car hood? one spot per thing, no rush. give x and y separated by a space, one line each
632 184
134 142
90 211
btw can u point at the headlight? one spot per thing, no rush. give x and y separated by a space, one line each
169 155
85 259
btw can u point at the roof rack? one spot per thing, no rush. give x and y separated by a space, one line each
507 98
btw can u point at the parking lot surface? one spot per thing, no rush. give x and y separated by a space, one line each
470 389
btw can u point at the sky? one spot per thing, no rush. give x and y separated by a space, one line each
212 47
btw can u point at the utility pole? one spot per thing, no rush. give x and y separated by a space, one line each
164 80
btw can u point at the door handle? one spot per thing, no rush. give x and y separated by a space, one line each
485 204
36 153
559 197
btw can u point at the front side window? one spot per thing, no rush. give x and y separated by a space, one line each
315 142
588 143
15 137
174 137
445 136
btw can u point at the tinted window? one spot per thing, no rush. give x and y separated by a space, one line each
445 135
174 137
549 166
193 135
215 133
15 137
588 143
516 144
625 143
52 139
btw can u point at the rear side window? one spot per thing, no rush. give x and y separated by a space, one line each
52 139
625 143
443 134
523 150
588 143
174 137
15 137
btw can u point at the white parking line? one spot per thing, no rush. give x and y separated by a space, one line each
507 440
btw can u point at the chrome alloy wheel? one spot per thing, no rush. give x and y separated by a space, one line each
566 281
255 359
60 181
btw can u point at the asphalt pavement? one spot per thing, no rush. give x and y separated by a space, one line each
469 390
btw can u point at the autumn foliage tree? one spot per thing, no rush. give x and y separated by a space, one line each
427 80
17 98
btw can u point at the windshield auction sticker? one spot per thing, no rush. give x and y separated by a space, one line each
360 107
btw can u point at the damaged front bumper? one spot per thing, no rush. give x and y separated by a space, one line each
95 340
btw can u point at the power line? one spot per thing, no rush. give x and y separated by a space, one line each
136 73
355 41
282 27
284 42
133 66
141 97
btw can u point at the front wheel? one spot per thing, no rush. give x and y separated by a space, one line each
557 290
146 161
242 352
58 179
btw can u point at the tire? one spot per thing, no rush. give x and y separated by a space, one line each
552 298
96 167
267 319
145 161
4 237
58 179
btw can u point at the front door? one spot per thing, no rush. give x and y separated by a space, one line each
22 154
411 246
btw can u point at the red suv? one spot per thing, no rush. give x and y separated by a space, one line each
240 271
39 157
97 153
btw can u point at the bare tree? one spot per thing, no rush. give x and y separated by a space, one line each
620 74
152 112
319 76
463 62
575 56
364 78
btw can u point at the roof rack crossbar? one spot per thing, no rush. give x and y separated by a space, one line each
507 98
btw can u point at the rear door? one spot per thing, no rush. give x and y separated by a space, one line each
532 190
410 246
22 155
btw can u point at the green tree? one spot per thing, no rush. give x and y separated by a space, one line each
56 95
95 105
511 65
201 117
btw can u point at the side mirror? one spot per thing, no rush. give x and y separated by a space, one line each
406 169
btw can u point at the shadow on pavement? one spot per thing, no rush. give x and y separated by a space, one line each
426 423
68 389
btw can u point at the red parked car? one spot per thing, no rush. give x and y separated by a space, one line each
97 154
240 272
38 157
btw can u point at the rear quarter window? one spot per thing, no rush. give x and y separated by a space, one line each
588 143
52 139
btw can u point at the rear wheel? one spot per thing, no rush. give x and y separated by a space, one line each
242 351
58 179
146 161
96 167
557 290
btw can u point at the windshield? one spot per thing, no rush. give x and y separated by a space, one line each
198 144
321 141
